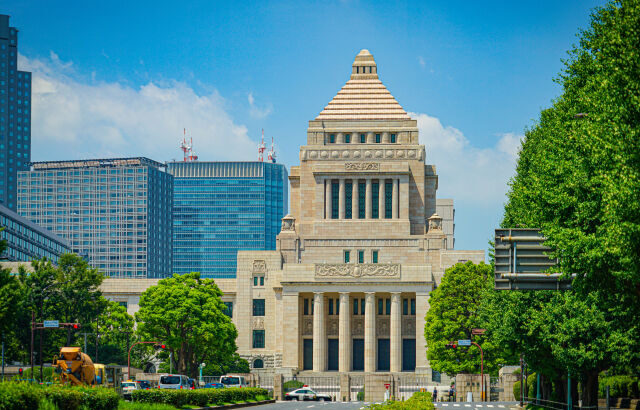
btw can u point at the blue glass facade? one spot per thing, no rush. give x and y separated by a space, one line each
27 241
222 207
15 115
116 212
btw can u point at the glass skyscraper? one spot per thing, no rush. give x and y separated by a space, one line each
220 208
15 115
115 212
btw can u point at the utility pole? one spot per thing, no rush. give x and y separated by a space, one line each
3 360
521 381
33 324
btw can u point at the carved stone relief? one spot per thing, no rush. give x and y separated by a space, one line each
358 153
382 326
307 326
259 266
258 323
357 327
361 166
288 224
353 270
408 326
332 327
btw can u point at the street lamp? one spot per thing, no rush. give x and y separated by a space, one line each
202 365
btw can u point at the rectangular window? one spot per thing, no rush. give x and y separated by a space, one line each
335 199
261 280
255 281
258 307
377 138
337 306
387 302
363 138
405 307
362 306
228 309
348 199
362 199
332 139
347 138
305 305
393 138
330 307
347 255
355 306
360 256
413 306
388 199
374 256
375 195
380 306
258 339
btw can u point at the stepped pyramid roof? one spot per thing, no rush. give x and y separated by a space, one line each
363 97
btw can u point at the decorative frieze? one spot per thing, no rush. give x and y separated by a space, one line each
332 327
357 327
362 242
358 270
362 166
382 326
307 326
409 326
416 153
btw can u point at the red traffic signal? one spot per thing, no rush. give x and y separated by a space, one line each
20 371
160 346
451 346
76 326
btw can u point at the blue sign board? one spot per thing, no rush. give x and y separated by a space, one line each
465 342
51 323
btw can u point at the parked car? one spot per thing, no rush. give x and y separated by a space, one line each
144 385
128 387
192 384
214 386
233 381
174 381
306 393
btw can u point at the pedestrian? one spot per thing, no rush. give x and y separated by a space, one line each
451 393
435 394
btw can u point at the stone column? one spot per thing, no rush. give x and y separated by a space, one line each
367 205
381 199
291 338
385 138
342 208
344 334
327 198
422 305
396 333
395 199
355 196
371 138
340 137
370 340
404 197
319 334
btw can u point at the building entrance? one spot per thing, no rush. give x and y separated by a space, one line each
358 355
307 354
408 355
332 359
384 353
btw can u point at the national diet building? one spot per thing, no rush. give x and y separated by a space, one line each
347 288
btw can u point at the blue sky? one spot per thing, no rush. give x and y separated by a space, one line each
124 77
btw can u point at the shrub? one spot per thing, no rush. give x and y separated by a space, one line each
200 397
619 386
34 396
418 401
292 385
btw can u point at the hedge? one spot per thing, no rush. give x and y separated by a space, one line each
200 397
619 386
418 401
20 396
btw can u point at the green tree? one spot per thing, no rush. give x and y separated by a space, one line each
115 331
578 178
453 312
186 313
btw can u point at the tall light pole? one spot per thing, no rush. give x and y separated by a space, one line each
478 332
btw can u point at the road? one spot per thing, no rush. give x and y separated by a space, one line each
307 405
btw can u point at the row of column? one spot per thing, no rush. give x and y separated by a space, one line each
355 137
355 196
344 333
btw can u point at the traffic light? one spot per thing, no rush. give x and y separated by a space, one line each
159 346
74 326
20 371
451 346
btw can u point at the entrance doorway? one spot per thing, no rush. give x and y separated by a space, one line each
358 355
408 355
307 354
384 353
332 359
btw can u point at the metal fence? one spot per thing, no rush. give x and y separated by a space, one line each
409 384
357 387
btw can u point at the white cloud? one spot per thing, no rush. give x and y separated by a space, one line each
421 61
74 118
466 172
257 112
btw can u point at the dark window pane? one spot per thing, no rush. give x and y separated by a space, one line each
363 138
377 138
306 306
335 199
360 256
261 280
330 306
388 200
346 256
228 310
388 307
393 138
258 307
347 138
332 138
337 306
255 281
348 187
355 306
405 306
258 339
413 306
380 312
362 199
374 256
375 194
362 306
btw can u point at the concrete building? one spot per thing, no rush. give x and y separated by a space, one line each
222 207
116 212
347 288
15 115
27 241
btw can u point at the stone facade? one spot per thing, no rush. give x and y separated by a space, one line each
347 288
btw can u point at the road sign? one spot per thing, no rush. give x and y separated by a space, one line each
51 323
387 385
465 342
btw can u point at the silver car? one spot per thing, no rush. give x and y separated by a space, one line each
306 393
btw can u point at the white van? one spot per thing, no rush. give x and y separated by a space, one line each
174 381
233 381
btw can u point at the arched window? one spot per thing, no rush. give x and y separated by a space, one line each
258 364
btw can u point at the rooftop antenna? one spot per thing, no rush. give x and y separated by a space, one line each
272 153
187 147
261 148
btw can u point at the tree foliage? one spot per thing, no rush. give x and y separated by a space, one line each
578 178
186 313
453 313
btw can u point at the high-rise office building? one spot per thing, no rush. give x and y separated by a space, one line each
27 241
15 114
115 212
222 207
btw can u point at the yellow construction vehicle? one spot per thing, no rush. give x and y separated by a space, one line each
76 368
